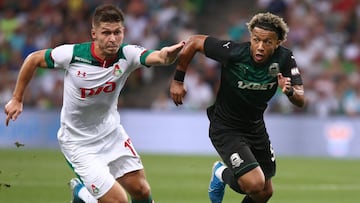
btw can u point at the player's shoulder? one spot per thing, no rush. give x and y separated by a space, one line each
131 50
63 51
82 47
284 49
73 49
284 52
226 43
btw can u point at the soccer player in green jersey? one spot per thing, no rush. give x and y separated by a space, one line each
91 136
251 72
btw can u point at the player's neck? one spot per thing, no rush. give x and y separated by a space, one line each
100 55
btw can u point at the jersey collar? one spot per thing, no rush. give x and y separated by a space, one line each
103 63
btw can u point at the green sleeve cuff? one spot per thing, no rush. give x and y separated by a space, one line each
48 59
144 55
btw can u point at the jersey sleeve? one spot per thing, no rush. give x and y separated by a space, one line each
59 57
292 70
218 50
136 55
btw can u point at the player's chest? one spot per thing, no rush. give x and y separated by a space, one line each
249 72
244 77
84 75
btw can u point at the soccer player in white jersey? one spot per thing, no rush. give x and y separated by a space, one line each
91 137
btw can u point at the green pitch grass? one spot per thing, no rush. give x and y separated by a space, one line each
41 176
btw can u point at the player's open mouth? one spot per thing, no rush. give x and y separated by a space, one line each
259 57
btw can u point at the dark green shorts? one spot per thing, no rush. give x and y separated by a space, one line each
243 151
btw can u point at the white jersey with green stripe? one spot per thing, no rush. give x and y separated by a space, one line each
91 88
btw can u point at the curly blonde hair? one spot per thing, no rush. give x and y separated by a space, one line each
271 22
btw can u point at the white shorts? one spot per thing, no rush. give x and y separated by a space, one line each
99 164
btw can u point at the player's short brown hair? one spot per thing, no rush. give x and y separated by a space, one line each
271 22
107 13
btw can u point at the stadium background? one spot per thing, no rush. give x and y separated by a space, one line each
324 36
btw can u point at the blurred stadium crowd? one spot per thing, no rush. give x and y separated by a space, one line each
324 36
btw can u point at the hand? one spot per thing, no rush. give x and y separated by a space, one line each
171 52
12 110
284 83
177 92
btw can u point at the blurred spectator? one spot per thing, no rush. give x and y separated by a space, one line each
163 102
9 22
199 93
351 97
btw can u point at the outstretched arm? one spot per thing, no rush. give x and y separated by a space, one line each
165 56
177 89
14 107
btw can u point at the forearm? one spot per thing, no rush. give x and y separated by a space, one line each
26 73
193 45
158 58
183 63
165 56
297 98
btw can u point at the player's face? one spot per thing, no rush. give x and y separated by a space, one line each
263 44
107 38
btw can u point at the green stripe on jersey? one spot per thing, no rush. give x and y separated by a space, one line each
49 61
82 54
143 56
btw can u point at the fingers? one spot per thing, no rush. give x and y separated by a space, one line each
11 112
7 116
284 82
180 44
11 116
177 99
7 120
177 47
177 92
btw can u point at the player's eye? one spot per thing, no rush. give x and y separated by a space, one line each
106 33
268 42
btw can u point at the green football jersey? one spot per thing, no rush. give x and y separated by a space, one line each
246 87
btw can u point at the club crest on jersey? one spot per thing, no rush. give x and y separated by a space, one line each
95 190
117 71
274 69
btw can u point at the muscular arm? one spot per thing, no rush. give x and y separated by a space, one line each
27 70
164 56
14 107
194 44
